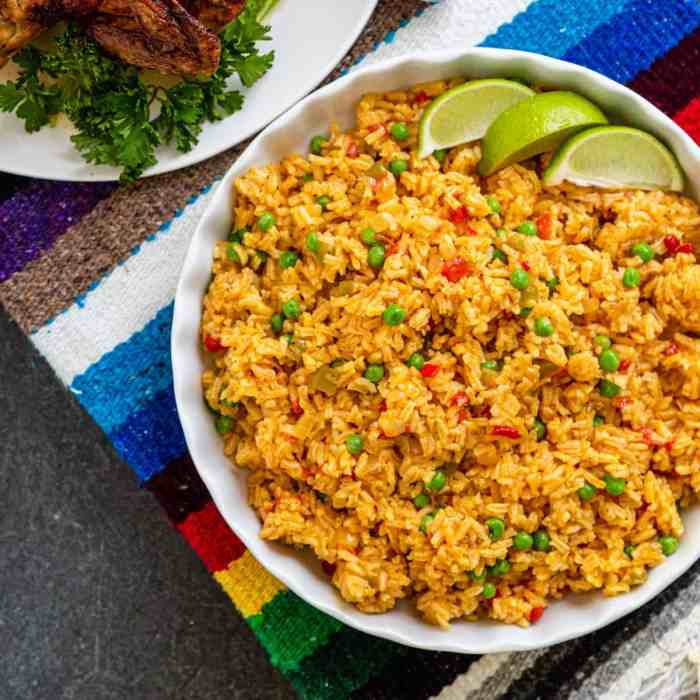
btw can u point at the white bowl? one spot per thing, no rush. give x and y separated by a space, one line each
576 615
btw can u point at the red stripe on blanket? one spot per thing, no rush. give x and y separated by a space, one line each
212 539
689 118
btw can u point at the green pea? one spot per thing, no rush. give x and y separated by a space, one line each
500 568
421 500
440 155
520 279
527 228
602 341
543 327
629 551
354 444
261 256
289 338
523 541
288 258
609 360
496 528
374 373
276 323
631 277
608 389
231 404
488 591
399 131
425 522
368 236
540 430
232 254
669 545
313 243
643 251
266 221
317 144
497 254
308 177
437 482
375 256
552 283
323 201
416 360
525 311
586 492
494 205
398 166
291 309
223 424
479 578
541 541
394 315
490 365
501 232
614 486
237 236
598 420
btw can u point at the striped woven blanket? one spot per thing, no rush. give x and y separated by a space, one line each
89 271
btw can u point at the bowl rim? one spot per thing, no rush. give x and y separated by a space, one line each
182 346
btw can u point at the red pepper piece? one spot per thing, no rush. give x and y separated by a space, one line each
462 415
213 344
459 399
352 150
672 349
526 265
456 269
544 225
671 243
505 431
624 365
296 409
328 568
429 370
459 215
685 248
669 445
382 407
622 402
535 614
422 97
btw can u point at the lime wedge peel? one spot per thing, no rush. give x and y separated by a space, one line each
465 112
615 157
533 126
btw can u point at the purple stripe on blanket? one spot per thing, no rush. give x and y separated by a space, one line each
36 216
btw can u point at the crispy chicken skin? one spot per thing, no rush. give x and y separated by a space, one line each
158 34
165 35
215 14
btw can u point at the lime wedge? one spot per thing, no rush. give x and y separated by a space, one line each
615 156
465 112
534 126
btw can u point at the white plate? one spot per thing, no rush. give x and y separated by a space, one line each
576 614
309 42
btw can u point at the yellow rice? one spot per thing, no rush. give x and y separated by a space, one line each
356 512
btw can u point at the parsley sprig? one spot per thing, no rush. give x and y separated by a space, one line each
120 119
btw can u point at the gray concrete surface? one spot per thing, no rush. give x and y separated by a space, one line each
100 598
